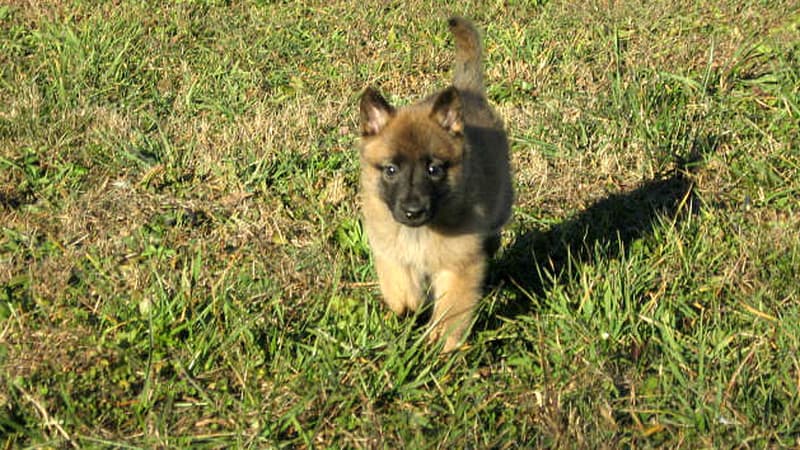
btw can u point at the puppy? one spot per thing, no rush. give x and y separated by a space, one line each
436 190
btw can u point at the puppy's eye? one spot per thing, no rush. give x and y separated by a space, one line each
390 170
435 170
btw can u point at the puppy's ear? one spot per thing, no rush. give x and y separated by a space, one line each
375 112
447 111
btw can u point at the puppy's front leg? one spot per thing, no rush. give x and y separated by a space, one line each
457 292
401 285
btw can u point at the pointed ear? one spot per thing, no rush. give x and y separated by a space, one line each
375 112
447 111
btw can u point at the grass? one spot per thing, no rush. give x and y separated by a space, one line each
182 264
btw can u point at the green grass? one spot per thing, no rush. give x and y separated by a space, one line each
182 264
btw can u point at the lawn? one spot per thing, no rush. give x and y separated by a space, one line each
182 262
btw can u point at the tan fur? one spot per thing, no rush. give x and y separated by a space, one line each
447 253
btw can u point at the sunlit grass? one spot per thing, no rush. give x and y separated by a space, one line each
182 264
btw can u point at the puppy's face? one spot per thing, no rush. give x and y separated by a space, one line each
412 156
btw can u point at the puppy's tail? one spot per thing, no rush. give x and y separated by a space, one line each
468 72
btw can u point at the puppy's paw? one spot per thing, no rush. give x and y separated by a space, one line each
452 339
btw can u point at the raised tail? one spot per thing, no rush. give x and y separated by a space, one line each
468 70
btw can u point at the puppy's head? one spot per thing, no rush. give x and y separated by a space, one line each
412 156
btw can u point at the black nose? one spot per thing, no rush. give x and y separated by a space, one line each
413 212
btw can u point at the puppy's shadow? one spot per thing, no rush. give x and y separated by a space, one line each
539 260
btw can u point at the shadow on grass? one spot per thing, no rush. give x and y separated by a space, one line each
540 259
